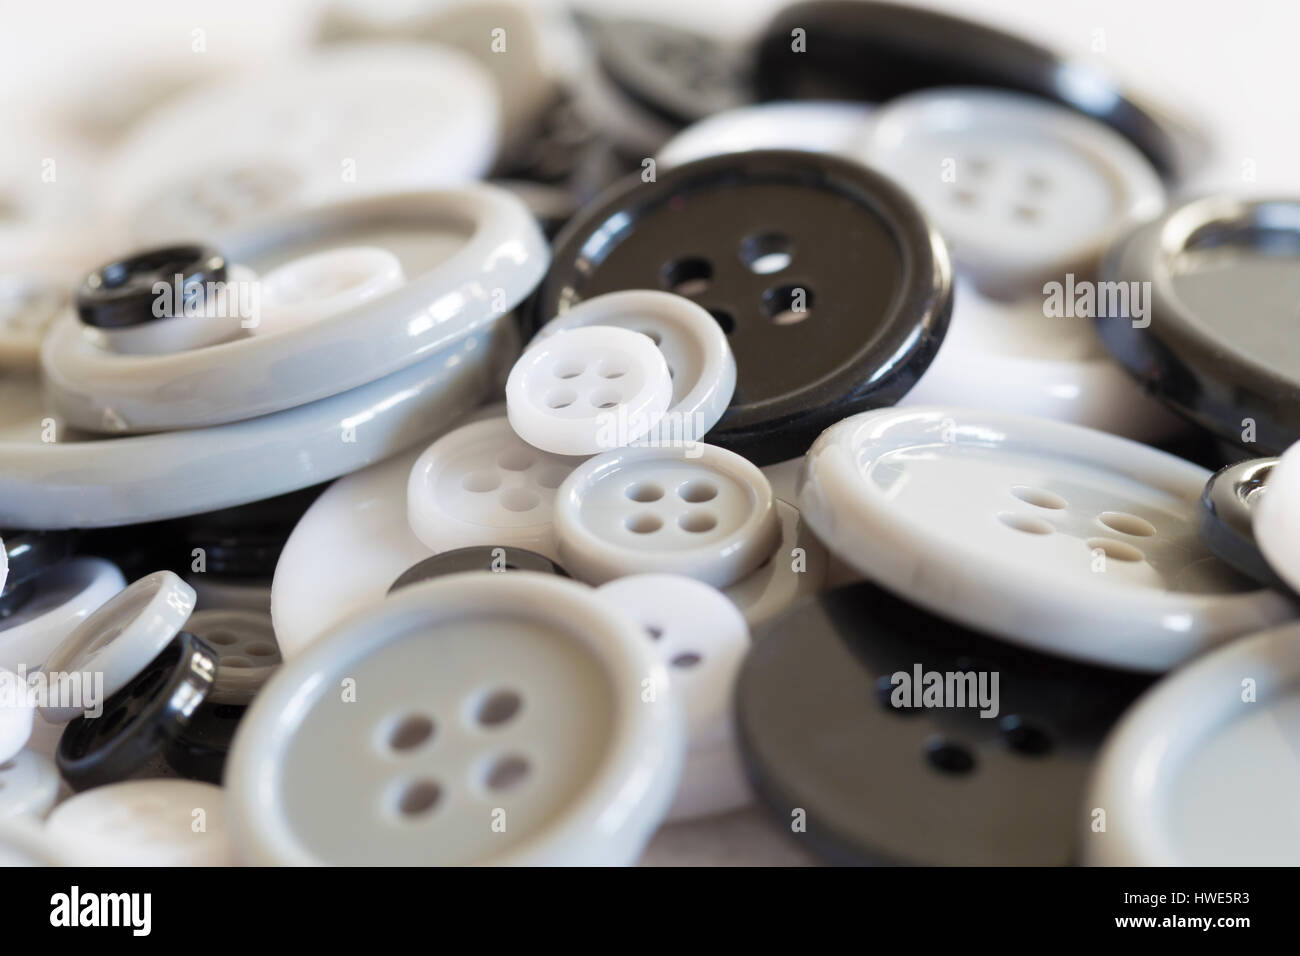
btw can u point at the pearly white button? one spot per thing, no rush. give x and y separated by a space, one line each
323 284
120 638
587 390
701 511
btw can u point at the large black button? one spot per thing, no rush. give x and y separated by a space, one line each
121 293
877 51
832 288
839 751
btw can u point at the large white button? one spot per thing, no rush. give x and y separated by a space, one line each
122 637
474 718
701 511
1022 190
694 347
1276 522
483 485
317 286
64 596
1202 771
144 823
1065 539
16 714
29 784
587 390
702 639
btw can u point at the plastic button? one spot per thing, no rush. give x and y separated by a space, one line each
121 294
702 512
29 785
497 718
1057 537
317 286
60 599
1228 505
1276 522
247 653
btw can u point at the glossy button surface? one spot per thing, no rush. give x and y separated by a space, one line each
1228 506
1276 521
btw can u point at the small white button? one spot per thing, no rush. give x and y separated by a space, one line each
121 637
16 713
247 652
694 347
1020 188
483 485
587 390
323 284
701 511
144 823
29 784
472 718
702 639
64 596
1064 539
1276 521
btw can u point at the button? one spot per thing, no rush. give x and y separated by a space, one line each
121 294
814 127
701 638
587 390
200 750
28 554
1218 273
246 649
796 569
699 360
324 284
862 717
1022 190
29 785
137 721
120 638
878 51
61 599
25 842
1277 522
470 254
498 718
28 303
701 511
819 328
483 485
15 714
314 129
477 559
1057 537
144 823
129 480
1009 356
1199 772
1228 506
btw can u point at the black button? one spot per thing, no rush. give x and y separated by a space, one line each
200 748
833 289
479 558
121 294
831 739
1220 279
1227 506
139 719
29 553
877 51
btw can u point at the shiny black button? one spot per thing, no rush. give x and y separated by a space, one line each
122 294
832 288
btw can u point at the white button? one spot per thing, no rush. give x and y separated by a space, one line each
29 785
1068 540
25 842
16 713
366 119
1022 189
694 347
470 255
27 306
702 511
797 568
483 485
144 823
812 126
247 652
702 639
1198 773
324 284
497 718
1009 356
64 596
121 637
587 390
1276 522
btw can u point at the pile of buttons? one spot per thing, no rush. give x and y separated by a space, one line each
527 439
